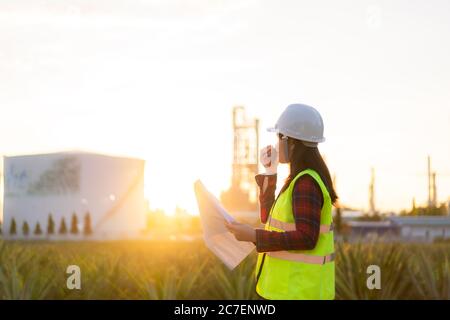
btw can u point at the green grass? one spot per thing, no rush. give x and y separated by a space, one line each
176 270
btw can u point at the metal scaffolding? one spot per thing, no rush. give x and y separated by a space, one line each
242 195
372 210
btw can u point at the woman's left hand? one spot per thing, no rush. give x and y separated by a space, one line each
242 232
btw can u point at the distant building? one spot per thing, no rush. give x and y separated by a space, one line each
404 228
423 228
373 229
349 215
110 190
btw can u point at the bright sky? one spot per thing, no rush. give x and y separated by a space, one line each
157 80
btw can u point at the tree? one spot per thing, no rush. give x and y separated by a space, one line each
13 227
62 226
25 228
87 228
37 229
50 225
74 224
1 225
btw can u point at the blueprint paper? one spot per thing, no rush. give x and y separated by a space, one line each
216 236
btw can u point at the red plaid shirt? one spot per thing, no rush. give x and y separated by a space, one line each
307 201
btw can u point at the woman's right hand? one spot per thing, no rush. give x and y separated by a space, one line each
269 159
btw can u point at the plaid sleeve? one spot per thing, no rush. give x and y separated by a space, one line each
267 186
307 203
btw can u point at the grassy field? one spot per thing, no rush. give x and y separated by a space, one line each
187 270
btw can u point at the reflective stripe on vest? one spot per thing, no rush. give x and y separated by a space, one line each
300 257
286 226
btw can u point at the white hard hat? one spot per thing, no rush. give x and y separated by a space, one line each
301 122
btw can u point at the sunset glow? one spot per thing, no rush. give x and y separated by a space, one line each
158 80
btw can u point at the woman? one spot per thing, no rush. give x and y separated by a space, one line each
296 247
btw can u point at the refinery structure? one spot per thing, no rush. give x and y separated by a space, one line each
243 193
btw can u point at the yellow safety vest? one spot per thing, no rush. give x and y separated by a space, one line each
298 274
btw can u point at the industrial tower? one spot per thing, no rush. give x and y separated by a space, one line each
432 194
372 210
242 195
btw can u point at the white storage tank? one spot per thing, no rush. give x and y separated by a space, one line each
104 193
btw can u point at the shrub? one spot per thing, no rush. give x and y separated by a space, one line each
87 228
74 224
50 225
25 228
37 229
62 226
13 227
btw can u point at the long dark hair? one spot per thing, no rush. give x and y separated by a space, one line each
301 158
